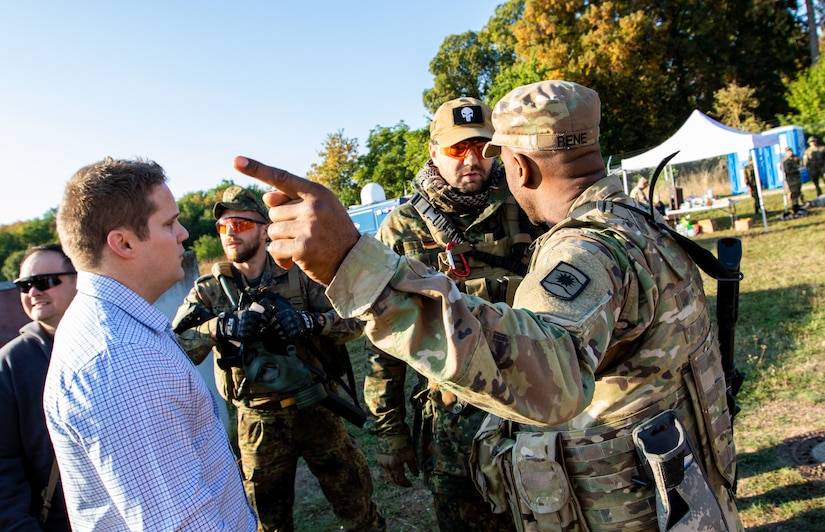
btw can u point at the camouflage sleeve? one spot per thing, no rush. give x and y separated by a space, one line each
515 363
195 340
384 393
339 330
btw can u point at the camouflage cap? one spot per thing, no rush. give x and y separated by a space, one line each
548 115
461 119
239 199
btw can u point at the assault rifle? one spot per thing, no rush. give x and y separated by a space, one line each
274 364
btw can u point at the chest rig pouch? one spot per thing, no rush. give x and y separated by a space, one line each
523 473
266 369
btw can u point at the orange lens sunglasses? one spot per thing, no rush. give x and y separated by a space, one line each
238 224
462 149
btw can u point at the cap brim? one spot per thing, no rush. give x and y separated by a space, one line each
460 134
491 150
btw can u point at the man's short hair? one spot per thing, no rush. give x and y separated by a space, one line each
548 115
104 196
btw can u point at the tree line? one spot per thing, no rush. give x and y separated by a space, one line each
751 64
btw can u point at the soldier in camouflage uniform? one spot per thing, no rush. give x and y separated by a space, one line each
606 366
815 162
489 250
276 428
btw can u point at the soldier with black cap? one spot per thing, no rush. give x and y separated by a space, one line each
270 328
462 221
606 372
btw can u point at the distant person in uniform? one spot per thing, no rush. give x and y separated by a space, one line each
136 431
31 497
639 192
790 166
605 372
750 181
815 162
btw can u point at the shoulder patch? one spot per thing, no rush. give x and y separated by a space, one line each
565 281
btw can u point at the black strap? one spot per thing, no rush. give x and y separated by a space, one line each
440 222
435 217
702 257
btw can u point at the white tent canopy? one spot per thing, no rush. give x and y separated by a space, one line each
700 137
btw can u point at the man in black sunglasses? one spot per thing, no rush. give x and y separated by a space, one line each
30 492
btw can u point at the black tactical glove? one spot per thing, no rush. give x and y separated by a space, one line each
291 324
240 326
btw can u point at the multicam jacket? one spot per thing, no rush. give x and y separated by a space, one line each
207 297
609 327
443 441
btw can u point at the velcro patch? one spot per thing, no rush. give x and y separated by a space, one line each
565 281
468 114
429 244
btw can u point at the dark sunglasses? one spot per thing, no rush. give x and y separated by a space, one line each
238 224
42 282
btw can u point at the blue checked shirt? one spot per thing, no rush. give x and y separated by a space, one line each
136 431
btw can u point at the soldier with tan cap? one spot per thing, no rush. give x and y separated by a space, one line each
462 221
605 371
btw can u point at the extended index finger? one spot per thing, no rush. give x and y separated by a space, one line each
289 184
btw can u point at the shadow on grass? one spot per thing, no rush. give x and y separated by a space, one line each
798 523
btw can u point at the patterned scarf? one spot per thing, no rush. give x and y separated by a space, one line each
432 186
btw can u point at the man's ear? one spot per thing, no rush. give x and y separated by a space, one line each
527 174
119 242
432 147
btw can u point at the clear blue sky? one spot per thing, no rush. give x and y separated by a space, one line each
192 84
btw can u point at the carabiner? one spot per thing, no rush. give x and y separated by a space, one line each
450 260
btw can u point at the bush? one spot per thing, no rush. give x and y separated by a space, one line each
208 248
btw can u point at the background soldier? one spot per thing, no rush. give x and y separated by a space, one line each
750 181
815 162
606 365
790 166
464 222
280 417
47 285
639 192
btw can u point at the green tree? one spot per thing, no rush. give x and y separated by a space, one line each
394 155
735 106
336 171
522 72
654 62
806 94
11 265
208 248
468 64
39 230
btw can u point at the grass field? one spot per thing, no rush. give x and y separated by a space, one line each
780 340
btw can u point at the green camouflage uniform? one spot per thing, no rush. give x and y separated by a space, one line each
815 163
445 427
750 181
790 166
272 437
609 328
